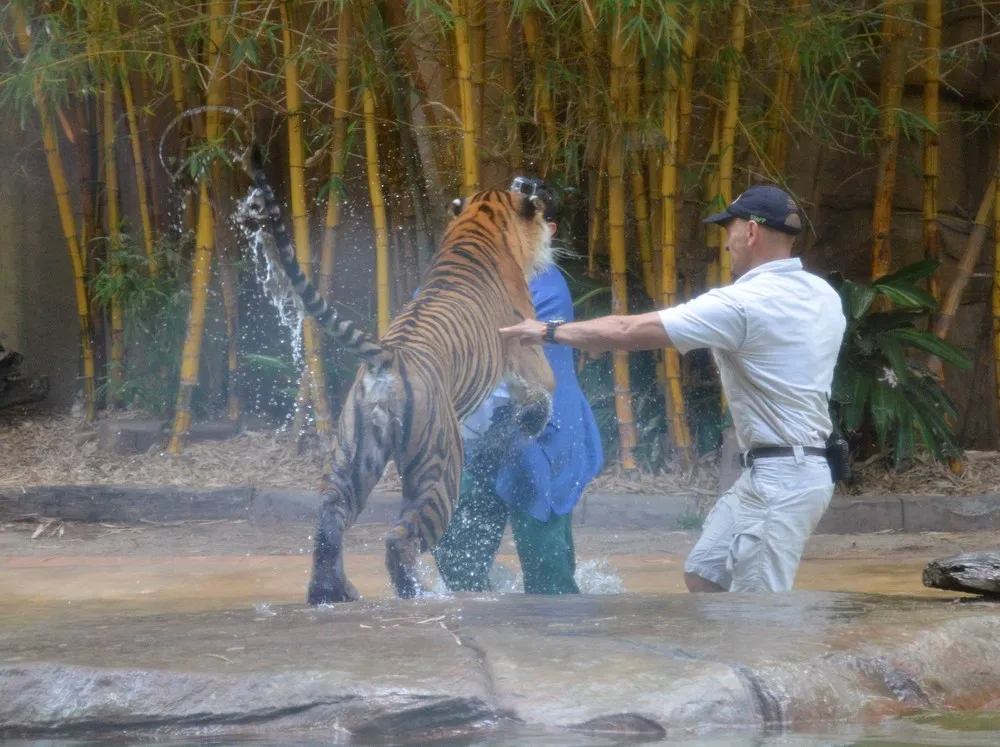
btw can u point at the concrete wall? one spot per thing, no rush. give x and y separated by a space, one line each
37 307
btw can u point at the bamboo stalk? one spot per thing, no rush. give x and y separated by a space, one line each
532 25
315 369
201 274
674 394
378 211
470 153
60 188
640 200
727 142
515 148
685 103
996 283
177 91
117 362
341 105
477 53
616 227
941 325
784 93
891 94
932 81
595 232
713 232
137 157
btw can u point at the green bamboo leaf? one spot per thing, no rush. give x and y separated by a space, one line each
893 352
906 295
881 409
854 413
912 273
930 344
859 298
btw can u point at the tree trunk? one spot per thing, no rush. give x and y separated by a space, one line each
378 211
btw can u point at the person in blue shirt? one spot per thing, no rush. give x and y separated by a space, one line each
533 484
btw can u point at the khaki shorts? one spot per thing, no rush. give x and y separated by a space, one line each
753 537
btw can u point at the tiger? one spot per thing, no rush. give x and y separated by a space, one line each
436 362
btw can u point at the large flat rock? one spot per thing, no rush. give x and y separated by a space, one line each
633 664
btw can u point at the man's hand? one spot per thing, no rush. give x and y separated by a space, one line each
528 332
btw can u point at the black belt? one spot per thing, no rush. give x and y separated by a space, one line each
763 452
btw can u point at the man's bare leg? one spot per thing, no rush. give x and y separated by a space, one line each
696 583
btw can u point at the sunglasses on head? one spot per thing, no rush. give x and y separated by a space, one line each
527 186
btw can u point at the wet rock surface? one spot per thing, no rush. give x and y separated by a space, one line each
636 664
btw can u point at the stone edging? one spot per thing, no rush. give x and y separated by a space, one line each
138 504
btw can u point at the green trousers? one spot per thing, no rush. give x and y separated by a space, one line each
466 552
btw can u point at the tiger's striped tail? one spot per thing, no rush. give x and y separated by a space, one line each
344 331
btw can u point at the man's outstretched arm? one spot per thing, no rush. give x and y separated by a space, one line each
635 332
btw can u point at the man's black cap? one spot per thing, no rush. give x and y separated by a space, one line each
532 185
766 205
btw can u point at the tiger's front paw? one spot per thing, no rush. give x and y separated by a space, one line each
531 418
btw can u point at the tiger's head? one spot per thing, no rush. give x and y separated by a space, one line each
522 215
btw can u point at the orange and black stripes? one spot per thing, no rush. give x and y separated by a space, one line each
437 361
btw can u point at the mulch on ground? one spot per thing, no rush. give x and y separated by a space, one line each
50 449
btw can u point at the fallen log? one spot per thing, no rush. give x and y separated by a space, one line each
973 572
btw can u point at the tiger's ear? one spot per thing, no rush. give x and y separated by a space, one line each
456 206
532 205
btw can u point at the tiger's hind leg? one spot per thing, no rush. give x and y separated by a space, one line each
431 471
362 449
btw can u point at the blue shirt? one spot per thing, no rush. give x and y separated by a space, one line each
547 475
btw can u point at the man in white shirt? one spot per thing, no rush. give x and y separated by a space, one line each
775 334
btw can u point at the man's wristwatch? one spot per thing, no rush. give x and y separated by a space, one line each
549 336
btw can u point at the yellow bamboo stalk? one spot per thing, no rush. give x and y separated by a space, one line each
713 233
201 274
300 222
595 231
477 54
996 282
640 200
932 82
685 92
967 264
596 154
515 149
784 92
674 394
117 363
134 139
60 188
341 105
616 226
893 72
470 153
378 211
177 91
200 278
532 25
727 143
